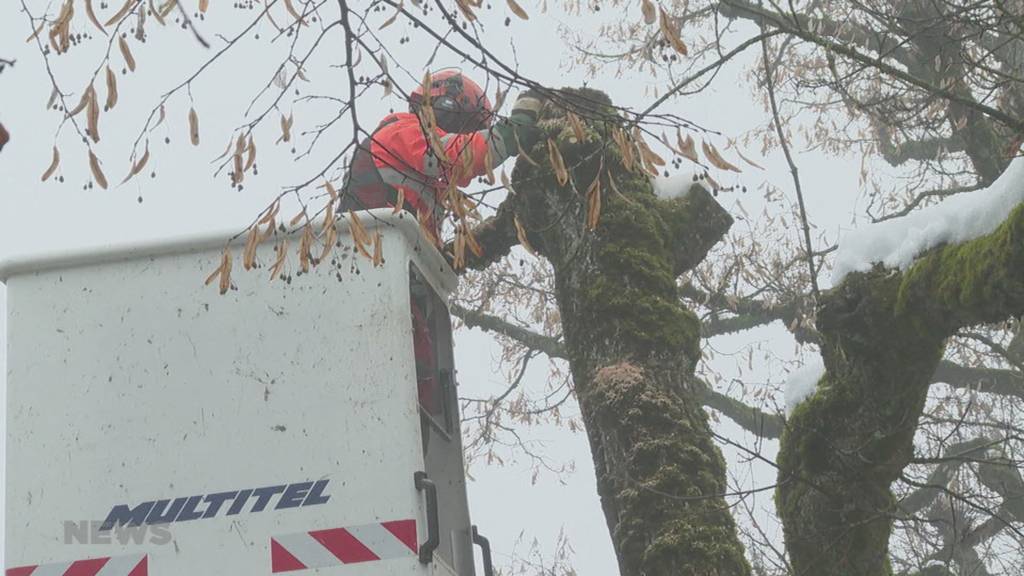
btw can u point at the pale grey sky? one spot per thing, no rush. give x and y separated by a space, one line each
184 198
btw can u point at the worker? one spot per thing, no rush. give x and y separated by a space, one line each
396 161
397 156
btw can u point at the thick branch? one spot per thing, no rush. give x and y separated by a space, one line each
754 420
495 235
720 326
918 150
933 570
698 222
990 380
786 25
749 313
476 319
846 31
1002 476
955 456
977 282
750 418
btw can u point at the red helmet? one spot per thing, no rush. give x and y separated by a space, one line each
460 105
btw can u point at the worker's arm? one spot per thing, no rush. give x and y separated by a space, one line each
499 141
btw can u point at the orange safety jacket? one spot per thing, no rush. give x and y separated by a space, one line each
397 157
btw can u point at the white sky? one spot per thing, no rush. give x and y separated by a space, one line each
184 198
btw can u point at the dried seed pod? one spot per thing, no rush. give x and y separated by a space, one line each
688 148
92 113
517 9
193 126
111 90
649 11
126 52
716 159
594 202
92 16
97 173
521 236
53 165
671 34
557 163
138 166
122 12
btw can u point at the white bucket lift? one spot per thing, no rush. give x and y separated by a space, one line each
156 427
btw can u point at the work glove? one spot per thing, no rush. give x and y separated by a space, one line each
529 102
521 124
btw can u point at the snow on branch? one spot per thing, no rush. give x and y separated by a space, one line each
896 243
803 382
697 222
678 185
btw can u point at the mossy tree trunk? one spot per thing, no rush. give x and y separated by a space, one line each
632 347
883 335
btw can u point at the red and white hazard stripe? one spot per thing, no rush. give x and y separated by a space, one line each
337 546
132 565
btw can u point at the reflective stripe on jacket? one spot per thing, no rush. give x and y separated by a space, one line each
398 156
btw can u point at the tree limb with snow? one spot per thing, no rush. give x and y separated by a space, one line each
883 335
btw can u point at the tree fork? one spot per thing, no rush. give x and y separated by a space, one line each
883 335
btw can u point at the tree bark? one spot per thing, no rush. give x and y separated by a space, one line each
883 335
632 346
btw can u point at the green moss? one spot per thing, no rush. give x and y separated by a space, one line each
632 348
975 282
634 296
883 335
665 521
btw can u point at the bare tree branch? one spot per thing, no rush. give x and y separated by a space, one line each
847 31
944 193
769 81
991 380
496 236
754 420
476 319
784 24
750 418
750 313
955 456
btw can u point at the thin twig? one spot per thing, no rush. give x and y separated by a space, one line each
770 85
191 26
713 66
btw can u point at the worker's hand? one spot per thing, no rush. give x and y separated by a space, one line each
521 124
524 126
529 102
523 118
